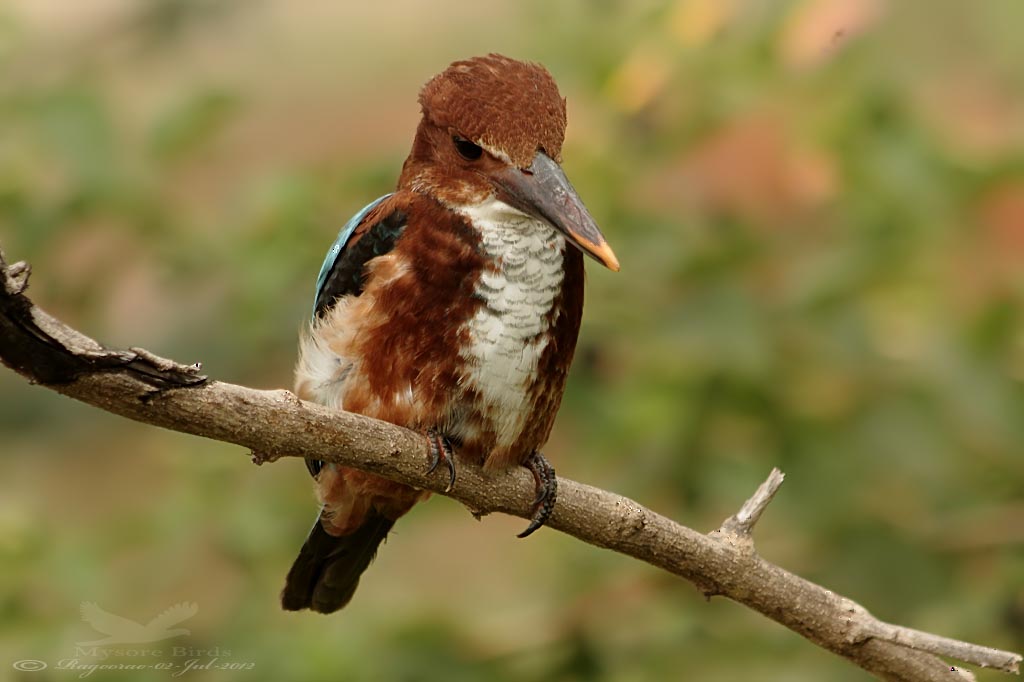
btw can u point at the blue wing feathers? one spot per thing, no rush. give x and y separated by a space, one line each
341 272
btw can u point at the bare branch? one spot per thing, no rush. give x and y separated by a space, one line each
742 522
984 656
273 424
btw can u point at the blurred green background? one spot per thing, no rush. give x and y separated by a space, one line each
819 210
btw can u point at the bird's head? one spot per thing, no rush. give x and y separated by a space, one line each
491 134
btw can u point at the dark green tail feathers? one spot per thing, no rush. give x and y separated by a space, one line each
326 573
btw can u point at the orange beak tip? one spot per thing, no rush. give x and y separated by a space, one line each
604 253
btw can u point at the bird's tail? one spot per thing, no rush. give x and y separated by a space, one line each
326 573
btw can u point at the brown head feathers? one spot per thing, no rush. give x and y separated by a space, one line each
507 106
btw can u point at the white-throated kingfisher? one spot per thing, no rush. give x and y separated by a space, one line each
450 306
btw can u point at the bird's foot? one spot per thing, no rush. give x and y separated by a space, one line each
441 451
547 491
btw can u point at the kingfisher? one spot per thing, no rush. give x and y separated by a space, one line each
450 306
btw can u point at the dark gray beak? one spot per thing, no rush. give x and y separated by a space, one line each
543 191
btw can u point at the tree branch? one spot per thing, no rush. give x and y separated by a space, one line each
273 424
742 522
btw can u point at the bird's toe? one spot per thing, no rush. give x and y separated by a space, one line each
547 491
441 451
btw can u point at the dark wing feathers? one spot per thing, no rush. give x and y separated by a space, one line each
374 232
369 233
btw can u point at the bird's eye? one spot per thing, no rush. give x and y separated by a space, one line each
466 149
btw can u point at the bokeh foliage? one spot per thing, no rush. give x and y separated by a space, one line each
819 209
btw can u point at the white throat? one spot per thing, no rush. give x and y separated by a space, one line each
518 290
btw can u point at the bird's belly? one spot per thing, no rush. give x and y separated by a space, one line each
480 385
500 373
508 334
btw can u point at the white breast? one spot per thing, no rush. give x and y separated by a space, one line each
508 331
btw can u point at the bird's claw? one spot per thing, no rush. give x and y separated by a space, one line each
547 491
441 451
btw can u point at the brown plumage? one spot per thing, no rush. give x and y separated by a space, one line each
460 314
499 103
